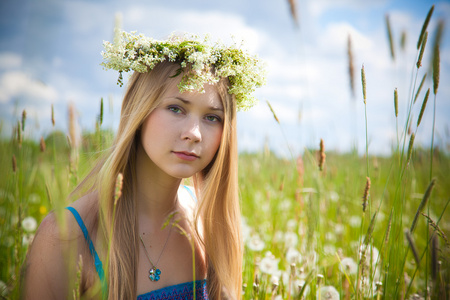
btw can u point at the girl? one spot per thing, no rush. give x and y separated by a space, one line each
156 238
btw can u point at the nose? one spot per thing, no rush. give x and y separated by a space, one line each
191 130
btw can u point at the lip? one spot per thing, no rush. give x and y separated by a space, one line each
189 156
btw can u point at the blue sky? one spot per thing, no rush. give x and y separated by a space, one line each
50 54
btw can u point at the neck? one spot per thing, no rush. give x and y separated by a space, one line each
156 192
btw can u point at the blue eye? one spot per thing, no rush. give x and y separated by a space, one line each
175 109
213 118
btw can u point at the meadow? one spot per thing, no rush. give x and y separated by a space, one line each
318 225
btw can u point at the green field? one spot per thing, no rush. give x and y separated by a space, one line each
303 227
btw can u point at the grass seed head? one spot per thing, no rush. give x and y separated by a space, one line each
412 246
420 87
73 127
391 42
436 69
100 118
410 148
366 194
422 109
403 40
424 27
53 116
322 155
42 146
351 68
422 204
363 80
273 112
19 134
434 256
422 49
24 118
396 102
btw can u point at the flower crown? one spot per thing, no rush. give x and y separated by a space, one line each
131 51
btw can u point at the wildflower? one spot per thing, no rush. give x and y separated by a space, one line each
291 224
42 210
334 197
27 239
34 198
29 224
255 243
269 265
293 256
329 249
290 239
348 266
246 230
329 292
354 221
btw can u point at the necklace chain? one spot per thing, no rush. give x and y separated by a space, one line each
155 272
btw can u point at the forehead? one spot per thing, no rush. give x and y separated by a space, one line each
210 97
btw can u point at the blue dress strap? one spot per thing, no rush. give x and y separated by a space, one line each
190 192
97 261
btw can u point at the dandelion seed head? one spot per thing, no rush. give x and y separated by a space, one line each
293 256
329 292
290 239
255 243
348 266
29 224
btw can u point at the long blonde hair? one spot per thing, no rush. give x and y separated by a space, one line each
216 188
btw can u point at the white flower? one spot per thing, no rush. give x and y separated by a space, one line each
29 224
348 265
34 198
355 221
291 224
290 239
329 249
246 230
278 236
339 228
27 239
269 265
329 292
293 256
255 243
334 197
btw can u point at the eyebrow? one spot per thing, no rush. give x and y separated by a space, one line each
215 108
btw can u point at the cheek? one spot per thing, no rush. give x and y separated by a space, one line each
215 141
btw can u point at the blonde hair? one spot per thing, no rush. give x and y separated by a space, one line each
216 188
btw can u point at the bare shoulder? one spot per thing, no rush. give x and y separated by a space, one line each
52 256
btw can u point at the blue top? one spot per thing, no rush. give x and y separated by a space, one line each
175 292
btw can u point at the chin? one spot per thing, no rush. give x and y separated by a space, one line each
182 173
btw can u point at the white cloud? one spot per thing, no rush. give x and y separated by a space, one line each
16 84
9 60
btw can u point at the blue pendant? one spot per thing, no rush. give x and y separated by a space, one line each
154 274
